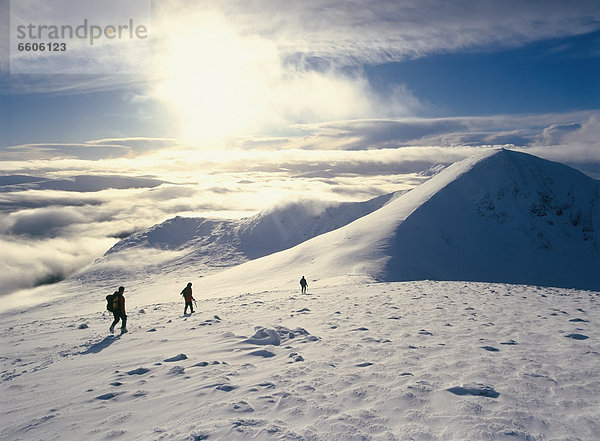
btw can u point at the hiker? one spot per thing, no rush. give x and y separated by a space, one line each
119 311
303 284
187 295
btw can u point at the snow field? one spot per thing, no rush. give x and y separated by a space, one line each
381 361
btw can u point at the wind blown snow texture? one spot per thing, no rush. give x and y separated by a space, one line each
385 361
359 357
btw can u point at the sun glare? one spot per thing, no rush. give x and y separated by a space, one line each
221 83
214 79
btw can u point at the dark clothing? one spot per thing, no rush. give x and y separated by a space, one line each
120 314
187 295
121 304
303 284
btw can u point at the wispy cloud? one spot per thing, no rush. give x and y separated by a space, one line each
240 68
385 30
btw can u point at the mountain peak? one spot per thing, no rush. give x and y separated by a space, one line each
512 217
504 216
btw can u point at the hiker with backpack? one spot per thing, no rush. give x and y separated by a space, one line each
187 295
116 304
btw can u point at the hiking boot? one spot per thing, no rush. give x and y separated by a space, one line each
123 330
112 329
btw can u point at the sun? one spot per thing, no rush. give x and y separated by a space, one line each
216 81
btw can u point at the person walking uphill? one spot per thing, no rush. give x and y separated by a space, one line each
187 295
119 311
303 284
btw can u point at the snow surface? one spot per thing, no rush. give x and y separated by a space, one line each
385 361
209 245
363 356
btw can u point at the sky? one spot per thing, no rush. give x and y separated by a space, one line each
239 105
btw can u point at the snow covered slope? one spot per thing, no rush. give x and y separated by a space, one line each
501 217
424 360
208 245
350 360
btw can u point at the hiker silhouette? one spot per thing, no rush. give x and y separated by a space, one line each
303 284
119 311
187 295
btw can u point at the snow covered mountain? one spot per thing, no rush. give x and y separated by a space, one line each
511 218
502 217
212 244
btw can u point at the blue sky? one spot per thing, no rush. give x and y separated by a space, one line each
552 75
408 59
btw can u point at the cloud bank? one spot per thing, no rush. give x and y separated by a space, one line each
63 210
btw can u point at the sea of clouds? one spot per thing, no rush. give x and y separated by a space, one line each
78 205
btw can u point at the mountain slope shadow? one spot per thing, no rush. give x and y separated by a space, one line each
512 218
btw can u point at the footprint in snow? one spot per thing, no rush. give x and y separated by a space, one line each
206 363
579 320
108 396
242 406
478 390
296 357
577 336
139 371
177 370
262 353
490 348
365 364
178 357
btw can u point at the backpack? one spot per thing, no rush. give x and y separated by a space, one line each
112 302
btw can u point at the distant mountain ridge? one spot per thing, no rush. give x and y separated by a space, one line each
227 242
503 216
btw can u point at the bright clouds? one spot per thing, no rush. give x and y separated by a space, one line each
259 67
356 31
221 83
